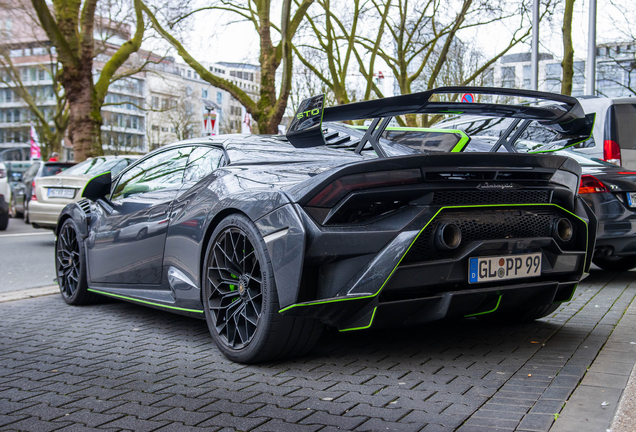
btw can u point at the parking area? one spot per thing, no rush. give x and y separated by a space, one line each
119 366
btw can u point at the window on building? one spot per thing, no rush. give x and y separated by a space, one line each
527 76
204 93
508 76
155 102
553 77
164 129
15 53
16 116
41 74
155 127
33 74
164 104
189 74
219 97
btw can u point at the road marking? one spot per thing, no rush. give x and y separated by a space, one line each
29 293
26 234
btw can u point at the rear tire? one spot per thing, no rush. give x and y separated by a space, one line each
70 266
240 298
616 264
519 316
4 221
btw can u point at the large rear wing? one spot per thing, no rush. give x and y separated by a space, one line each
562 113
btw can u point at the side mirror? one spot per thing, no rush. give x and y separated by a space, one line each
97 187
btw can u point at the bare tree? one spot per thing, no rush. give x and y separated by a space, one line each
422 34
269 109
70 26
568 49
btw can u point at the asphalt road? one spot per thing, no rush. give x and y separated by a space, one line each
26 257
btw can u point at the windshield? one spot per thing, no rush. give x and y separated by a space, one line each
99 165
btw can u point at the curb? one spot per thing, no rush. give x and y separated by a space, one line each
29 293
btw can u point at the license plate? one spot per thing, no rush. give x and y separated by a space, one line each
506 267
631 199
61 193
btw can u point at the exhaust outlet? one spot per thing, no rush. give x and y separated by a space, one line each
448 237
563 229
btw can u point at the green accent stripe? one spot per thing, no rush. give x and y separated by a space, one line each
571 295
144 301
486 312
361 297
364 327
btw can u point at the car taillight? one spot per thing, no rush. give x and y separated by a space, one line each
590 184
330 195
612 152
33 197
3 173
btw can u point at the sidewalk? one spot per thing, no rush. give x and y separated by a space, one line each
605 396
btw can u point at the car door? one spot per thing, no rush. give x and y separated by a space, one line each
127 243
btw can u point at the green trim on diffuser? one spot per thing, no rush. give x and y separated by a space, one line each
144 301
363 327
367 296
90 180
571 295
486 312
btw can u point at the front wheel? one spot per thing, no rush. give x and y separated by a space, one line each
616 263
70 266
240 298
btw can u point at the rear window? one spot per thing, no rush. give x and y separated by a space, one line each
623 118
53 169
424 141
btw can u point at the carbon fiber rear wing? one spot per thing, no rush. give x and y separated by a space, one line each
562 113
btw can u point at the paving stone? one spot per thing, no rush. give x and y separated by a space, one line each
374 425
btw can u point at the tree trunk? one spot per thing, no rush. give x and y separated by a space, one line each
568 50
85 118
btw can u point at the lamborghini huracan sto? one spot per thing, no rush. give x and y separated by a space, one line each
271 238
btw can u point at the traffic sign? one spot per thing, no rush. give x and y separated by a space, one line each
468 97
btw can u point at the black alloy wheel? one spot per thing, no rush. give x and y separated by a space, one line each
236 300
240 298
70 266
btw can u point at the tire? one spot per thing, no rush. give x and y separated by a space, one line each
616 264
26 213
70 266
255 332
4 221
142 234
519 316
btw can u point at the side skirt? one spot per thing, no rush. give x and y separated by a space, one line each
157 299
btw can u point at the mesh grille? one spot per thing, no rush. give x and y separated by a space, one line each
491 197
492 225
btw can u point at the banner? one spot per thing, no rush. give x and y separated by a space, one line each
210 123
35 145
246 126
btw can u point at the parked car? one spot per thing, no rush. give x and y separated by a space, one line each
36 170
270 238
52 193
5 197
15 171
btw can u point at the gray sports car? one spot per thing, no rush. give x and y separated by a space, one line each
271 238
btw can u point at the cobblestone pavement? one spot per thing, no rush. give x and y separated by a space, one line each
119 366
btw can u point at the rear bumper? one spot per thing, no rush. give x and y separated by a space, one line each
405 280
44 214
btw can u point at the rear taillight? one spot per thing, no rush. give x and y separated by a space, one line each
590 184
3 173
33 197
612 152
330 195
